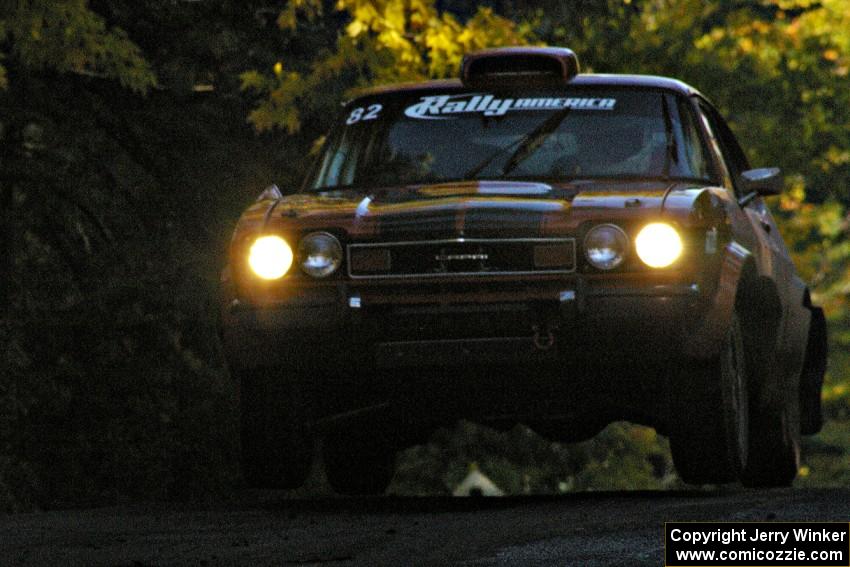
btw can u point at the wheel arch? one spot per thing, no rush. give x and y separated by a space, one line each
758 295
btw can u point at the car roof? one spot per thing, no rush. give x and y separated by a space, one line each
589 79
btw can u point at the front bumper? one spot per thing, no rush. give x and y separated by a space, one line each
477 354
575 322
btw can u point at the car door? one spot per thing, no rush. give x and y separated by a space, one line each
760 233
774 260
772 254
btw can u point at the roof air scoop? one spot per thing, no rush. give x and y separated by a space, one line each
527 66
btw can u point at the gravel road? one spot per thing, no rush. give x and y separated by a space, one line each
265 528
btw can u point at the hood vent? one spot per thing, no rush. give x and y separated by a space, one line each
525 66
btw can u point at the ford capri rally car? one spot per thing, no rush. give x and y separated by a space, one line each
524 244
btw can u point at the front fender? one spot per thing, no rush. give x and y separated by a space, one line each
707 335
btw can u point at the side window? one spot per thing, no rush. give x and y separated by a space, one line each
735 156
735 160
698 164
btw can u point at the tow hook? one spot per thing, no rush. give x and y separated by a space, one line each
545 339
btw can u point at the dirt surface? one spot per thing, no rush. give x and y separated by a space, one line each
264 528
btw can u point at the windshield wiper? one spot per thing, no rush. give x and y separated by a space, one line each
534 139
671 155
525 146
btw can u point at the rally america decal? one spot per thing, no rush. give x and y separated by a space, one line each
444 106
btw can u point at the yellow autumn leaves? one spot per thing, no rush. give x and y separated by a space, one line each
384 41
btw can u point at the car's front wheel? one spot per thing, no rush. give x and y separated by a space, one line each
775 444
277 444
711 443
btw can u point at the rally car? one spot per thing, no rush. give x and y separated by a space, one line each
524 244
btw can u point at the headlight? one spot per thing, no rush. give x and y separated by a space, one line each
658 245
270 257
605 246
320 254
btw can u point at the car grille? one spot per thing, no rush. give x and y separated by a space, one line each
462 257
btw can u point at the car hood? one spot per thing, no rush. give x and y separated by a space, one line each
485 209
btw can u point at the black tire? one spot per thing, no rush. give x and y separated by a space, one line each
710 444
358 463
774 444
811 379
277 444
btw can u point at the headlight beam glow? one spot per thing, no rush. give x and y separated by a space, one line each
658 245
270 257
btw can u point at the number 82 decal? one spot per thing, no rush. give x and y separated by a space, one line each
360 113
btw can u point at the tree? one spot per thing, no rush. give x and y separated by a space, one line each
109 381
68 37
382 41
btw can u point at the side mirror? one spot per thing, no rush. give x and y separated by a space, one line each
764 181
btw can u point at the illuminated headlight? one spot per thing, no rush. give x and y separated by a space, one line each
658 245
605 246
270 257
320 254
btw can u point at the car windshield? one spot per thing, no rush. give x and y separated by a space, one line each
411 138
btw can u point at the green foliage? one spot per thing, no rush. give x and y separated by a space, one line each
112 386
622 457
115 211
65 35
826 458
817 235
